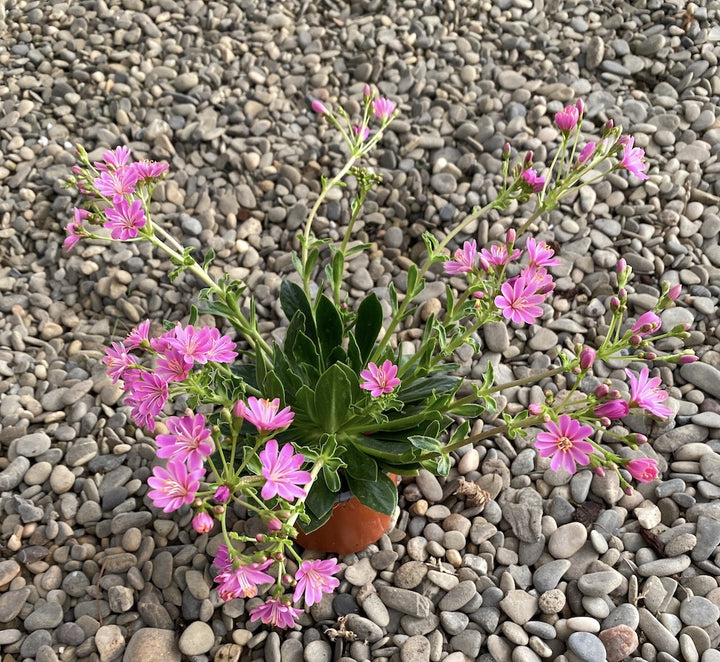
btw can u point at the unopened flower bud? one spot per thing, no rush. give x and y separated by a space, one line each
688 358
649 356
602 390
367 91
506 151
600 471
279 556
614 303
615 394
587 357
580 106
608 125
628 490
318 107
260 537
622 293
274 524
635 340
222 494
288 579
197 502
202 523
219 509
535 409
674 292
621 265
529 157
510 236
641 439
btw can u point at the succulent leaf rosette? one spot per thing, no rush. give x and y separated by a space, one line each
278 429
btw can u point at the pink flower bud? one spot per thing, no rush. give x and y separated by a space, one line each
506 151
674 292
510 236
318 107
621 265
599 471
260 537
615 394
580 106
635 340
222 494
535 409
367 91
640 439
202 523
601 390
608 125
614 303
587 357
529 157
628 490
688 358
288 579
274 524
604 422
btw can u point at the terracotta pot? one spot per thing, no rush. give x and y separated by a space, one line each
351 527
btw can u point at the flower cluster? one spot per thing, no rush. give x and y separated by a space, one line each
279 430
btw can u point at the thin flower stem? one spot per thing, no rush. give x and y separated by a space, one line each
317 467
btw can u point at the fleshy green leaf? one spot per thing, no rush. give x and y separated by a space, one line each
421 388
359 465
424 443
293 299
381 495
333 397
368 324
331 478
329 327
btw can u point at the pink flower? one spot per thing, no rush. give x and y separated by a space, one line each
633 158
565 442
567 118
125 220
194 344
674 292
362 131
116 184
318 107
149 393
541 255
240 582
202 523
518 301
264 414
536 278
643 469
114 159
380 380
383 108
463 259
275 612
174 486
612 409
189 440
647 394
171 366
148 170
646 324
75 228
534 181
222 348
274 524
138 335
282 472
315 578
586 152
118 361
498 255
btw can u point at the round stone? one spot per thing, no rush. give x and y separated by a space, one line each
586 646
567 539
198 638
699 611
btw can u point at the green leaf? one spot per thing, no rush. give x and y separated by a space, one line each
424 443
320 500
392 451
359 465
293 299
368 324
273 386
290 381
412 280
209 257
353 352
331 478
468 410
304 351
333 397
421 388
193 315
381 495
313 256
305 404
329 327
393 297
460 433
338 266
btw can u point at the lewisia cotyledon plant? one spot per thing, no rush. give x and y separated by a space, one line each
280 429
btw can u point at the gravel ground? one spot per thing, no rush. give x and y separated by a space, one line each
553 567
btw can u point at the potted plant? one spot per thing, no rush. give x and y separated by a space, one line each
330 418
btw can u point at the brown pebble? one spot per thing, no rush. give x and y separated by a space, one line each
619 642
